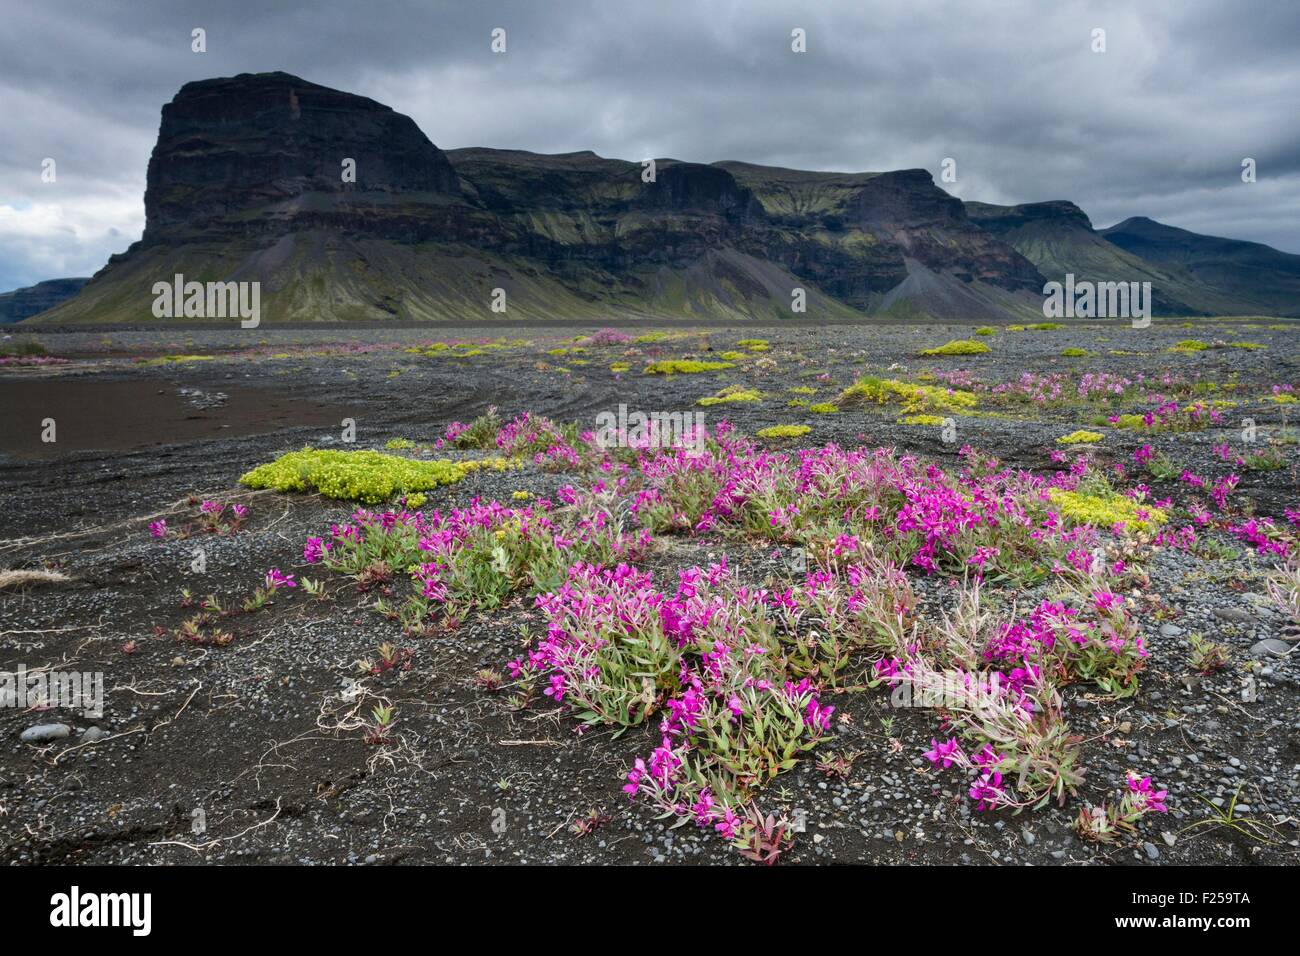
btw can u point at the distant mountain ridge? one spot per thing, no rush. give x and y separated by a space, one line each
32 300
245 183
1190 274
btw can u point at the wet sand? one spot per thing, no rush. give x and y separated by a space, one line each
97 415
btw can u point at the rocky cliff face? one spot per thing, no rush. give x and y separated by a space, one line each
230 146
245 183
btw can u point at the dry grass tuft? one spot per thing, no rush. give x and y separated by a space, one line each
19 579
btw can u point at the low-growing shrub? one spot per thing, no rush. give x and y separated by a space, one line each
23 347
480 433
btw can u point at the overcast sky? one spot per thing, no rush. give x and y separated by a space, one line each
1157 125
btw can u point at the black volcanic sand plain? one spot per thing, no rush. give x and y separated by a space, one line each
254 734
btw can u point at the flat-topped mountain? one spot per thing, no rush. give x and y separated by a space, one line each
344 210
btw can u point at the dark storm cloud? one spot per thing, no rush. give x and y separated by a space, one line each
1157 125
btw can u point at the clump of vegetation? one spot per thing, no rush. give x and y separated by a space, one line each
23 346
1106 510
754 345
1015 328
399 444
606 337
175 359
1080 437
1207 656
733 356
824 408
959 347
986 330
784 431
1189 345
730 394
1269 458
914 398
1111 821
685 367
1171 417
1252 346
935 420
1074 352
1045 326
803 390
1157 464
367 476
428 350
480 433
618 368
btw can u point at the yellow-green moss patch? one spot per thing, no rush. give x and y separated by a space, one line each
1106 511
685 367
367 476
784 431
1080 437
733 393
959 347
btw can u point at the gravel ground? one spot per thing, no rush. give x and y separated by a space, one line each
250 753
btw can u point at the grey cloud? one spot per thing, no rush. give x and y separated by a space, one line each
1155 126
